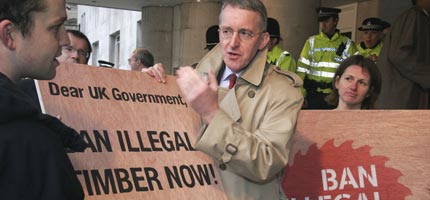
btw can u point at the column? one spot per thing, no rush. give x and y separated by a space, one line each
190 23
297 21
157 26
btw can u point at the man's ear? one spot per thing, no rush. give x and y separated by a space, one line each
6 29
138 62
265 37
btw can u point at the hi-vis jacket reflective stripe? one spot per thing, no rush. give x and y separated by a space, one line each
318 60
281 58
367 52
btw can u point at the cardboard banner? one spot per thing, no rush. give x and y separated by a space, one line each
141 135
361 155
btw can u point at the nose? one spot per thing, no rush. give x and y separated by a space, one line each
63 37
63 40
366 37
74 54
354 85
234 40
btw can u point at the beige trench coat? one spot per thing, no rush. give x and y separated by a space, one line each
249 138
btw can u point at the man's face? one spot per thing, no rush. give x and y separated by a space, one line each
38 50
133 62
328 26
237 51
371 38
76 52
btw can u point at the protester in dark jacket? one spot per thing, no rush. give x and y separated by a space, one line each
33 159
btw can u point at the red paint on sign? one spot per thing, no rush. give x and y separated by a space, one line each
342 173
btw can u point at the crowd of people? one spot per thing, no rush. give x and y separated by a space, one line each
322 54
249 102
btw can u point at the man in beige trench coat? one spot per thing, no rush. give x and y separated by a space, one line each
247 128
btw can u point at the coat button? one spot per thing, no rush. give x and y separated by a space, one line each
251 94
222 166
231 149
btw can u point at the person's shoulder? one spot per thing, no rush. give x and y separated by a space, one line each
293 79
344 38
409 15
313 37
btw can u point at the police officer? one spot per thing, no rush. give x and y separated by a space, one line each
320 57
212 38
277 56
372 42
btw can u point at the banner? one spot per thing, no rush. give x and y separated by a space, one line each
141 135
361 155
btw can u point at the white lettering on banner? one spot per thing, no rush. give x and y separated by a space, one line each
362 173
331 179
330 183
347 175
361 196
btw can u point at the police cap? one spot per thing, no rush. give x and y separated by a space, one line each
212 38
385 24
273 28
325 13
372 24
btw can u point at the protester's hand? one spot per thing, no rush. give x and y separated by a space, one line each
157 71
200 92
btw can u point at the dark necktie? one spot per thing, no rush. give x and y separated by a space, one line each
232 80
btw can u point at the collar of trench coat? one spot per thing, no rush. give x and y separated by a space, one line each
253 74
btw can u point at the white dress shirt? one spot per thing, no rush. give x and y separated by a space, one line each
224 82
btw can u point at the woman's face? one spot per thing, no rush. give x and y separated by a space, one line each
353 87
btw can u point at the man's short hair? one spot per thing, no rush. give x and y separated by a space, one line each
251 5
20 13
144 56
81 35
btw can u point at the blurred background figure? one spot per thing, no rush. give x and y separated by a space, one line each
212 38
404 61
387 27
140 58
78 51
107 64
277 56
320 57
371 43
356 84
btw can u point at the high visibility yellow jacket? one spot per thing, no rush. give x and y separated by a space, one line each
320 58
362 50
281 58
